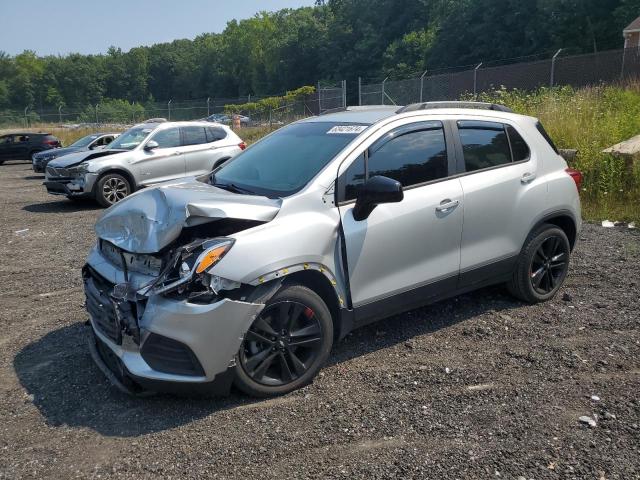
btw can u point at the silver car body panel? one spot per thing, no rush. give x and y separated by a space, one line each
400 247
148 167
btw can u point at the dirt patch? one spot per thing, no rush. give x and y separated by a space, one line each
480 386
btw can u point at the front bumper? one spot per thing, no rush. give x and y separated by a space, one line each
71 186
160 343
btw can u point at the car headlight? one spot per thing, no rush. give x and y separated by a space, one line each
186 273
79 170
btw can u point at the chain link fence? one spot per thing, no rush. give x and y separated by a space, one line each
556 70
121 114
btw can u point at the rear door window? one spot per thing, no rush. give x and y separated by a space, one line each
484 144
194 135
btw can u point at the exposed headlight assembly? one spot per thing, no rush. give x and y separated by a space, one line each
79 170
186 272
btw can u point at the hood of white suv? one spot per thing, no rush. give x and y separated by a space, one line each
151 219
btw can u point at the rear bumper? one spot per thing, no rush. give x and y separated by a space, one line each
166 345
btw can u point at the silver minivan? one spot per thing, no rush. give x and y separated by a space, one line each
144 155
248 275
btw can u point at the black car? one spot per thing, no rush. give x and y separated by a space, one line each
90 142
22 146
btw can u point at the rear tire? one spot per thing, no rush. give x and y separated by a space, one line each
286 345
542 266
112 188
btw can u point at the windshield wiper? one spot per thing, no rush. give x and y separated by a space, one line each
232 187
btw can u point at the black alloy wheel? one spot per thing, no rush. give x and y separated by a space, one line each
549 265
281 344
286 345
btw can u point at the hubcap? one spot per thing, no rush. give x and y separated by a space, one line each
114 190
549 265
281 345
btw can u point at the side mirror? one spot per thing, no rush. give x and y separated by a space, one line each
151 145
377 190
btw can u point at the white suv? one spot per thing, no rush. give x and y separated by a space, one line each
250 274
146 154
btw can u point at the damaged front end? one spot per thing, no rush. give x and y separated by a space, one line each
160 318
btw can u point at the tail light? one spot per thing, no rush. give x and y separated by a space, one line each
54 142
576 175
242 145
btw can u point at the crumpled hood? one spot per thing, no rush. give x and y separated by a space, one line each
76 158
152 218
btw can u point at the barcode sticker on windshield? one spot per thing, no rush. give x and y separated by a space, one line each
347 129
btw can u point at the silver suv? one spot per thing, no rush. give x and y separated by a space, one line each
249 275
144 155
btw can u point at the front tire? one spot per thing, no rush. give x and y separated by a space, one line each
112 188
542 266
286 345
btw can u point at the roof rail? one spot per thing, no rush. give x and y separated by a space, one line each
477 105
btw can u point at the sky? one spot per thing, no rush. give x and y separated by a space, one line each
92 26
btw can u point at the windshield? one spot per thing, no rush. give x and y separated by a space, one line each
84 141
284 162
130 139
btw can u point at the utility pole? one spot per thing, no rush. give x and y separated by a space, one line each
553 68
422 84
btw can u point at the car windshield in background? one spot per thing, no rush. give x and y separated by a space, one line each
84 141
130 139
284 162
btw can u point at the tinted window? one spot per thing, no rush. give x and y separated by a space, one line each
168 138
285 161
215 134
194 135
484 145
519 147
411 158
353 179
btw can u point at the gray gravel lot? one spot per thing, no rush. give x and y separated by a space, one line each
480 386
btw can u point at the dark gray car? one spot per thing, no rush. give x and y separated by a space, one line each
90 142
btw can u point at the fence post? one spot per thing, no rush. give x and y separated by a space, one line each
60 113
169 109
553 68
475 79
359 91
319 101
624 54
97 121
383 82
26 119
344 93
208 101
422 84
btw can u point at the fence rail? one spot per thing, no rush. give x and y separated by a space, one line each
575 70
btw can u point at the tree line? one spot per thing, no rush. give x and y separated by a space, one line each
334 40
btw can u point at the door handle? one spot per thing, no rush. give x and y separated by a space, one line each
528 177
447 205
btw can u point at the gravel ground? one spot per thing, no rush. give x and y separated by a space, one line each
480 386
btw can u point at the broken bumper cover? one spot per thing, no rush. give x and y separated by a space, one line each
179 345
71 187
